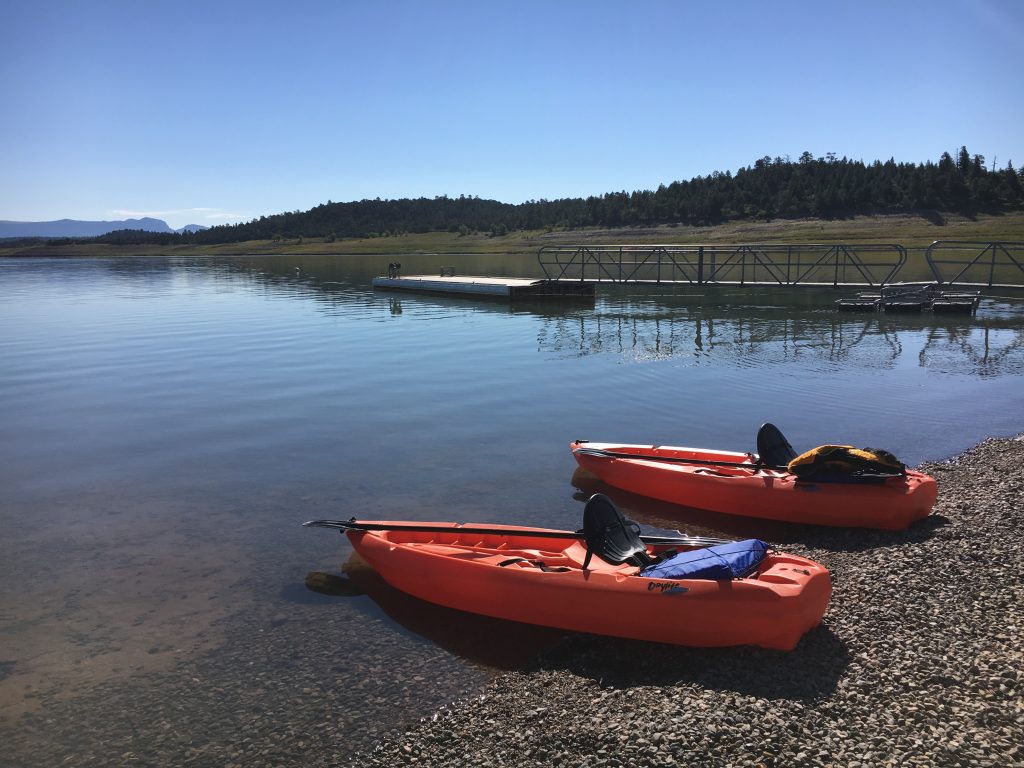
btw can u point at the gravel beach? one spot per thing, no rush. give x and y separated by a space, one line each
918 662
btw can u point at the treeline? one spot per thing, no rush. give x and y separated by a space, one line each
824 187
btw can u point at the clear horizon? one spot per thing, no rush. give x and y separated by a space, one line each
199 114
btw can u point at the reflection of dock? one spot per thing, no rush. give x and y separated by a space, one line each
913 297
501 287
951 343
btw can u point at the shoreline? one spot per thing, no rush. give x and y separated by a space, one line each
913 231
917 662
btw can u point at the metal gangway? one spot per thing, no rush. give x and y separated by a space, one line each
980 264
834 265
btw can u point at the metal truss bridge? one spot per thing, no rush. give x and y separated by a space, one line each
818 264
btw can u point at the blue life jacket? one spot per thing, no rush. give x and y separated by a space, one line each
722 561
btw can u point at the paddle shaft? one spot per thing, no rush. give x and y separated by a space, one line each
675 459
355 525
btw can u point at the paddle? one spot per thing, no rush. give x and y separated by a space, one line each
681 539
675 459
773 452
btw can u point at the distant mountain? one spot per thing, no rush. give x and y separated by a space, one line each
74 228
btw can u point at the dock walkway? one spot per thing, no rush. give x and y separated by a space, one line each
501 287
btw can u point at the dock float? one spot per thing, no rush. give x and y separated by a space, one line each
511 288
913 297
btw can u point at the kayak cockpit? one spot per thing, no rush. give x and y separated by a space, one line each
508 553
609 543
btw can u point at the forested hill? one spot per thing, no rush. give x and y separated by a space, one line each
824 187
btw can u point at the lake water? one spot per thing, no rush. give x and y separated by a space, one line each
166 425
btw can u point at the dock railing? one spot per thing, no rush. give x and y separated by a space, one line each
836 265
989 265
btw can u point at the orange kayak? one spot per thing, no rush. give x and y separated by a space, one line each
737 484
525 575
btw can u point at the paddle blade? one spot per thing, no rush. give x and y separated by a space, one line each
338 525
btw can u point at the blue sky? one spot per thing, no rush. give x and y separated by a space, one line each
217 112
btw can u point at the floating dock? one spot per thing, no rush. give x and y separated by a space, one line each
511 288
913 297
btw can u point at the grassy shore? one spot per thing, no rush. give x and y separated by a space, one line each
913 232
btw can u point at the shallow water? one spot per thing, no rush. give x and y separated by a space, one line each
167 424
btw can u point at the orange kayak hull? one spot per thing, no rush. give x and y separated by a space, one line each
752 492
771 608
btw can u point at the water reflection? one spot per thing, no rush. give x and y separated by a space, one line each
744 327
739 327
982 348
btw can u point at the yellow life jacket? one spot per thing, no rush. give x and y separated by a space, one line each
845 460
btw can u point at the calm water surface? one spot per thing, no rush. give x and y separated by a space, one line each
166 425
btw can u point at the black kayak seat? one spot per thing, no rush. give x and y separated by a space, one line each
773 449
611 536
